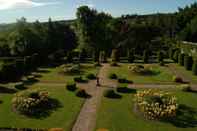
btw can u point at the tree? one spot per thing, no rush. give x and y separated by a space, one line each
145 56
160 56
181 59
194 68
188 62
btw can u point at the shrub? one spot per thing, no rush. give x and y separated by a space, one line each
82 93
83 55
181 59
162 63
188 62
71 69
115 55
113 76
91 76
186 88
131 56
110 93
28 63
177 79
175 56
124 80
156 105
160 56
171 53
80 79
32 102
145 56
71 86
20 86
114 63
125 89
194 67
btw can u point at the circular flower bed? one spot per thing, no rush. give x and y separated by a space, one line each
33 102
155 104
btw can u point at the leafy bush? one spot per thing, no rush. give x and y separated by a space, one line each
177 79
125 89
113 76
80 79
20 86
110 93
186 88
115 55
82 93
175 56
156 104
71 86
91 76
71 69
160 56
194 67
188 62
145 56
32 102
181 59
131 56
124 80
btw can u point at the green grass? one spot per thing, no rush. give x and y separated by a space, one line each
63 117
118 115
164 75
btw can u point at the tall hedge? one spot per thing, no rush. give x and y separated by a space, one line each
194 67
8 72
131 56
115 55
160 56
188 62
176 55
181 59
145 56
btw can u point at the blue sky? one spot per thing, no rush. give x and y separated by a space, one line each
10 10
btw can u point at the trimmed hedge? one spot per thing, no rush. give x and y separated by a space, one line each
71 86
188 62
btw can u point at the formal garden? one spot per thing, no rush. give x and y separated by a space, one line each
100 73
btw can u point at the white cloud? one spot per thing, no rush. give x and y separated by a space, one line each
88 3
18 4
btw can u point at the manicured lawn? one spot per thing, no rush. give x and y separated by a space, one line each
63 117
118 115
163 75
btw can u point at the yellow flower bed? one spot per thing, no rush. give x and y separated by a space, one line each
156 104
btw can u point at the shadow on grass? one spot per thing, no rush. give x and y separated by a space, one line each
126 90
186 117
45 110
7 90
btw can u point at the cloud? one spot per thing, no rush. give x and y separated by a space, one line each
20 4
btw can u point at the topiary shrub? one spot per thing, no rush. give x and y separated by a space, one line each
194 67
113 76
186 87
80 79
35 103
71 86
145 56
131 56
110 93
82 93
124 80
188 62
181 59
177 79
91 76
20 86
156 105
125 89
175 56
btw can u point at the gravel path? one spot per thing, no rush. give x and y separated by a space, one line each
87 117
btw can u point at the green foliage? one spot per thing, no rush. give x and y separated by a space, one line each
83 55
91 76
177 79
188 62
181 59
131 56
80 79
176 55
20 86
71 86
82 93
110 93
145 56
113 76
160 56
124 80
194 67
115 56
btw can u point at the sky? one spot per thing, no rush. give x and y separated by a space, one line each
41 10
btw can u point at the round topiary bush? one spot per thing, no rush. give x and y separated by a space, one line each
71 86
91 76
188 62
82 93
20 86
113 76
33 103
110 93
156 105
80 79
177 79
194 67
